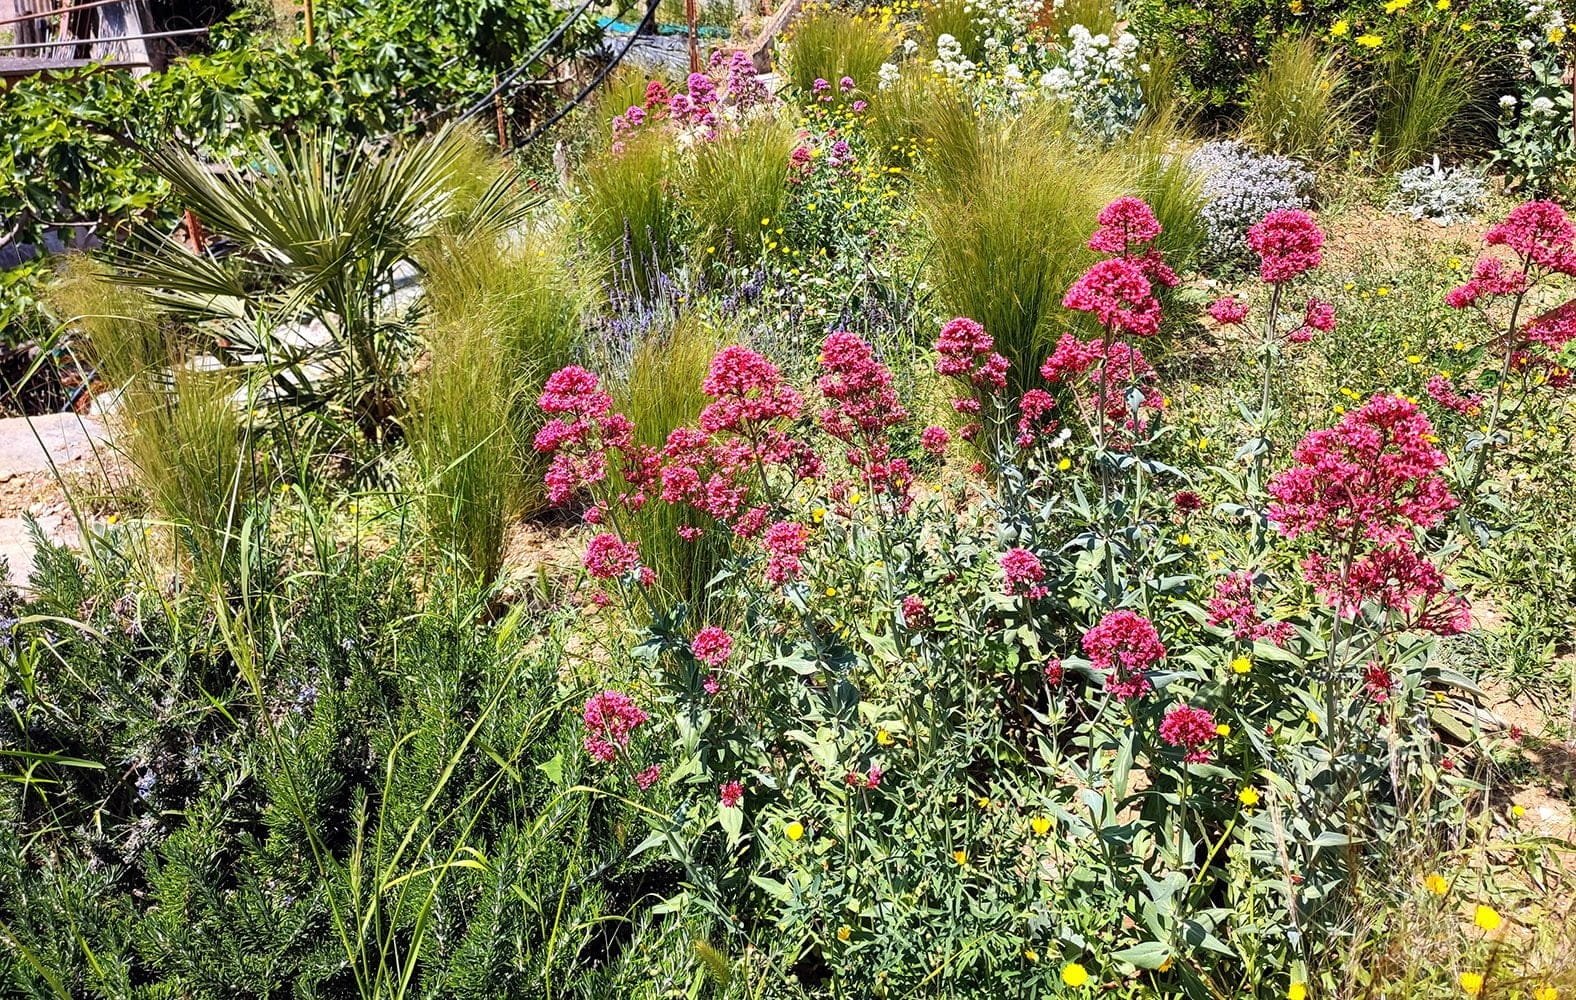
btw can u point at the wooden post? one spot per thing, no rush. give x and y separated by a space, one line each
194 233
692 16
503 128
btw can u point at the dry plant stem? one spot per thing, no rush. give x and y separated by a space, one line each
1482 465
1262 457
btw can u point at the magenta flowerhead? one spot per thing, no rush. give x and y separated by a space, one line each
712 646
610 718
965 351
1540 234
1127 227
1119 295
1023 574
1288 242
1125 646
1190 729
1228 310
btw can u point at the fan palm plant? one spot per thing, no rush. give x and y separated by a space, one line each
312 242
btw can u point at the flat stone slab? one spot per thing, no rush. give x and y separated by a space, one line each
33 445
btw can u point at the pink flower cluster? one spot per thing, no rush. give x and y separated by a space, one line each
582 428
1365 487
1085 364
785 542
1490 279
1119 295
1442 391
1127 230
870 779
1378 681
712 646
609 557
1228 310
862 408
1540 235
1289 243
1034 418
1234 606
1023 573
611 718
916 613
1190 729
965 351
731 794
1124 646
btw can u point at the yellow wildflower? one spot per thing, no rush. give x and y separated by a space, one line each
1074 975
961 857
1436 884
1517 811
1241 665
883 737
1545 993
794 830
1487 918
845 932
1391 6
1031 955
1297 991
1339 28
1370 41
1064 464
1223 730
1471 983
1041 825
1249 796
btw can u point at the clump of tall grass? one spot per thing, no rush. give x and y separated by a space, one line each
1009 207
661 392
900 116
502 317
955 18
1298 104
1425 95
735 186
630 217
1099 16
179 426
1156 161
829 45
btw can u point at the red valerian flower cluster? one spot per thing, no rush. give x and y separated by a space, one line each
1190 729
1289 243
1023 573
862 408
581 429
786 542
712 646
1365 487
609 557
916 613
1378 681
1543 241
730 794
1083 367
1119 295
1228 310
611 718
1442 391
1124 646
1233 606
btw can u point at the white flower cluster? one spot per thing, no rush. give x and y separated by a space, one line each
1099 77
950 61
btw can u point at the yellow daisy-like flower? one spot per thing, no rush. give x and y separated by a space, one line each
1074 975
854 498
883 737
1466 25
845 932
1203 443
1556 36
1249 796
1370 41
1223 730
1382 291
1313 716
794 830
1339 28
831 591
1545 993
961 857
1297 991
1185 539
1414 359
1391 6
1436 884
1442 5
1517 811
1471 983
1041 825
819 514
1031 955
1241 665
1064 464
1487 918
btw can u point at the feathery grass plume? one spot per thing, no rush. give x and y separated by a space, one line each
1161 88
1156 158
661 392
1425 94
896 125
734 190
1099 16
715 962
178 425
624 87
503 316
1298 104
828 45
1009 208
631 215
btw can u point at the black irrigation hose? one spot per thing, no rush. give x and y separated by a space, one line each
651 13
